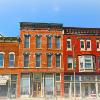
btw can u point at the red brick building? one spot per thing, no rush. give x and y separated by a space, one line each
9 53
81 50
41 59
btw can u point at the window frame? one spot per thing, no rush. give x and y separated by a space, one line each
72 62
98 41
36 41
82 40
28 40
88 49
12 60
69 40
47 60
37 54
59 60
3 59
49 37
84 62
56 44
28 60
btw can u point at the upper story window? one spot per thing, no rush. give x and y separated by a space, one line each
82 44
1 60
26 41
69 44
70 62
26 60
58 60
38 60
49 60
57 42
86 62
38 41
11 59
98 45
88 44
49 41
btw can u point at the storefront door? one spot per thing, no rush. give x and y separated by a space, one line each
36 89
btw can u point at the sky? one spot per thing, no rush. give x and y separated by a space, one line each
71 13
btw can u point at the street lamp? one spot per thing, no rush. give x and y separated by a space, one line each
74 67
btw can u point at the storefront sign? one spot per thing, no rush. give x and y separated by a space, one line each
3 80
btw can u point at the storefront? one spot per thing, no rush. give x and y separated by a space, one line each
8 86
40 84
86 86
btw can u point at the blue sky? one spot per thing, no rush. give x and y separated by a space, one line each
75 13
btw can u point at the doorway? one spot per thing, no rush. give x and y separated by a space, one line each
36 89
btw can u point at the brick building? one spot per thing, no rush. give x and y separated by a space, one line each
49 59
81 50
9 53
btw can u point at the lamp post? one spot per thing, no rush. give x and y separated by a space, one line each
74 67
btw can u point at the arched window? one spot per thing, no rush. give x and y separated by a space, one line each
11 59
1 60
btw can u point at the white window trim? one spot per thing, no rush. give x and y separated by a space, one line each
69 49
85 69
98 49
88 49
72 63
14 59
82 49
3 59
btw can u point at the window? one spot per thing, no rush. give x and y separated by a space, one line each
70 62
99 61
1 60
86 62
88 44
57 42
26 60
82 45
49 60
68 44
49 41
26 41
98 45
38 41
11 60
38 60
58 60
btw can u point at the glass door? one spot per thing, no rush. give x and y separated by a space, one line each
36 89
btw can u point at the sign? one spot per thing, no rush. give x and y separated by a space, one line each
3 80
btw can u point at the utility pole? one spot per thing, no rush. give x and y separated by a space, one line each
74 67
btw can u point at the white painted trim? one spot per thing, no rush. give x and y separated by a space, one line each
69 49
88 49
82 49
